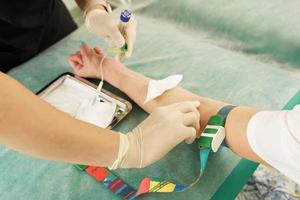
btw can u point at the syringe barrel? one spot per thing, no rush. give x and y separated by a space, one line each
124 18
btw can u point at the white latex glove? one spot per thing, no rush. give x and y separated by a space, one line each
165 128
105 23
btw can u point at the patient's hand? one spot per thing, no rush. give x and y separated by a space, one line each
87 61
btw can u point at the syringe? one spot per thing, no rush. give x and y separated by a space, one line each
124 18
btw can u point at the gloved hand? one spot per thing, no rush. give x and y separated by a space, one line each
165 128
100 20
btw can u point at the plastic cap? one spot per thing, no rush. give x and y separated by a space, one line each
125 15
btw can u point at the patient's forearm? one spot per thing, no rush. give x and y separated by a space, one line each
135 86
30 125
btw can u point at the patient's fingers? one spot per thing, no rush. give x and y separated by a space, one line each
85 51
75 62
75 65
76 59
99 51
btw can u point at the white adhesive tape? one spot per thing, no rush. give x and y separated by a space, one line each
158 87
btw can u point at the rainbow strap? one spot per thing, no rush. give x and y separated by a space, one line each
206 143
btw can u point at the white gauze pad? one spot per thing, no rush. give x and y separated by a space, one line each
158 87
68 96
96 112
78 101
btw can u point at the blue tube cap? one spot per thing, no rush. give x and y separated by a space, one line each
125 15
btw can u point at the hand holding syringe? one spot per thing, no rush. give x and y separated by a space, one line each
125 50
125 16
116 31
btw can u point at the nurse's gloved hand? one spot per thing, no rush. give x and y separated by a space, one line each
87 61
101 21
151 140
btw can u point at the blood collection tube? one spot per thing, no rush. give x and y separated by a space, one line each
124 18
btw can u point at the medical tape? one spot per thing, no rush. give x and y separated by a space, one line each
157 87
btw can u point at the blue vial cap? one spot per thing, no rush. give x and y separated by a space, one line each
125 15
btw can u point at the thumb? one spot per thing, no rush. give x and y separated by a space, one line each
130 37
190 133
115 38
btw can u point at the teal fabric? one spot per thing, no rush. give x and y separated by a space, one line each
270 29
162 48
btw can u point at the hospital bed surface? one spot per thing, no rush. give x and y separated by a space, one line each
161 49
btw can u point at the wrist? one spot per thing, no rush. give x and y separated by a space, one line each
129 155
126 80
122 152
133 157
112 71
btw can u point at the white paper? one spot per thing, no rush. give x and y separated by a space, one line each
78 101
96 112
158 87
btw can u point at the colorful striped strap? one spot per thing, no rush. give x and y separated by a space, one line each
147 185
206 143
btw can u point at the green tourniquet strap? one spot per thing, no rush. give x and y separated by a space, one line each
225 111
205 142
150 185
216 120
204 153
209 138
210 130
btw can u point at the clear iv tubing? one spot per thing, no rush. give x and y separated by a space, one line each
99 88
124 18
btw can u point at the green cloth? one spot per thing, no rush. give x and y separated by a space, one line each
162 48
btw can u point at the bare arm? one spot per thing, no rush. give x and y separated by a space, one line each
135 86
30 125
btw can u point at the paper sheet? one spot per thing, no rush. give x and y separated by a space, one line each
97 112
78 101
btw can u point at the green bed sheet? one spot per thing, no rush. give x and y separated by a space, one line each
162 49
